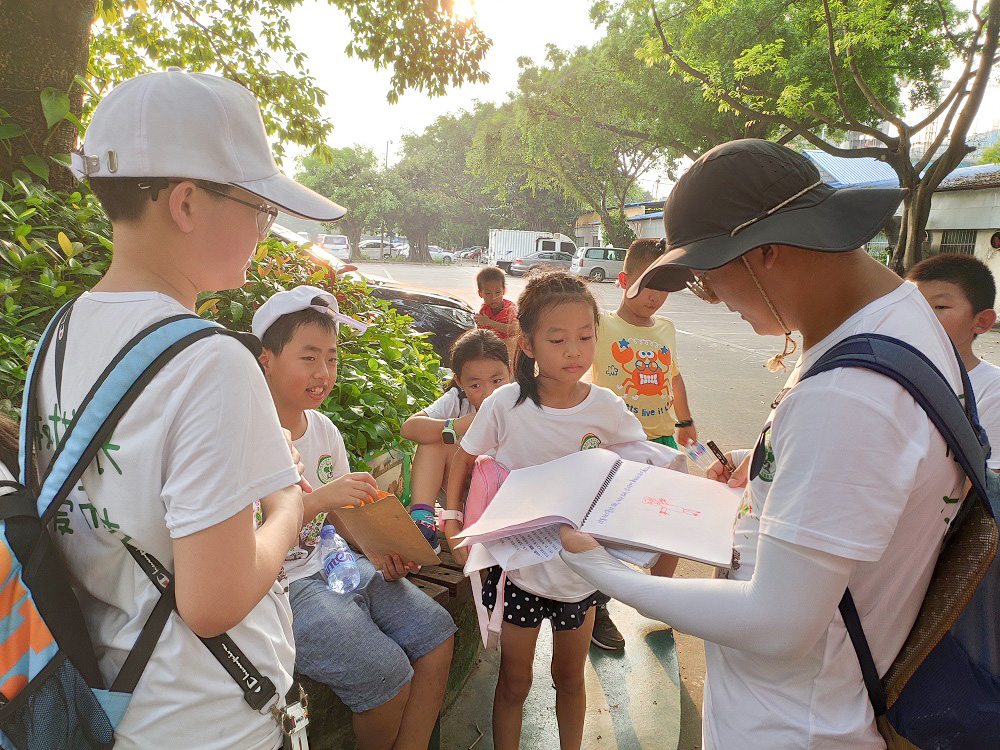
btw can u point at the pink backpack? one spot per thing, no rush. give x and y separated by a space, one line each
487 476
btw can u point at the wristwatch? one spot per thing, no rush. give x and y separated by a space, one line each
448 436
450 515
684 423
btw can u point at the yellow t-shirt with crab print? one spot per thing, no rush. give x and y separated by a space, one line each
639 363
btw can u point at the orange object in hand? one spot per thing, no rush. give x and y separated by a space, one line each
381 494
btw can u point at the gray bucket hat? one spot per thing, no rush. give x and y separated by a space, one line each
747 193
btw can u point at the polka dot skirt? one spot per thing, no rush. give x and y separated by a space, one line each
527 610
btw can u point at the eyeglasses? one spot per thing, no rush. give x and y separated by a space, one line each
265 214
702 288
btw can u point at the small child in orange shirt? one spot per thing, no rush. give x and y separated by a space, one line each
497 314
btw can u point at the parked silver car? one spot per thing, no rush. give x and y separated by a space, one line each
598 263
540 262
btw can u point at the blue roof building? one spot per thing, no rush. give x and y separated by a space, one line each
863 171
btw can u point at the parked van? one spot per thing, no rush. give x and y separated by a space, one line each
598 263
337 244
507 245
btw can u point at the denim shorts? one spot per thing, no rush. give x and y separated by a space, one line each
362 644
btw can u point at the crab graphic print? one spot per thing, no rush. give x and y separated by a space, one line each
639 364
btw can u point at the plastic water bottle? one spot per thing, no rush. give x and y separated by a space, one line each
339 566
701 456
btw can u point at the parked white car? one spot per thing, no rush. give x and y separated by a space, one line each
599 263
439 253
376 250
338 245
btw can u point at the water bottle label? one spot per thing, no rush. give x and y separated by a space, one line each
335 559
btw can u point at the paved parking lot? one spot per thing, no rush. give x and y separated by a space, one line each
721 358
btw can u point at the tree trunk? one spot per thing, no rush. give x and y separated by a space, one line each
354 238
418 248
615 229
915 221
43 44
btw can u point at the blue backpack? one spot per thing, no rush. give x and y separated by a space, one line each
943 689
52 695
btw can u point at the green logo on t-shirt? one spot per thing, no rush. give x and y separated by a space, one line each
324 468
590 440
767 468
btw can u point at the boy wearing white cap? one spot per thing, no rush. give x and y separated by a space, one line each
182 167
385 650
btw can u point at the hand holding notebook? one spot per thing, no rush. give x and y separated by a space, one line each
617 501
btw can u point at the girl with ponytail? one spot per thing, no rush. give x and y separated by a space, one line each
480 363
547 413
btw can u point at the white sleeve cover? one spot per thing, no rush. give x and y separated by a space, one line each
739 455
794 592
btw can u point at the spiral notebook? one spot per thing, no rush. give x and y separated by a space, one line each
618 501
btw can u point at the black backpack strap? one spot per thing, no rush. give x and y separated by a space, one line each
27 465
16 503
958 425
869 672
137 659
60 350
257 689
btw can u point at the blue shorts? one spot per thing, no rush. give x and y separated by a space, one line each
362 644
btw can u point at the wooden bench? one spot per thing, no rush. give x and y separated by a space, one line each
330 720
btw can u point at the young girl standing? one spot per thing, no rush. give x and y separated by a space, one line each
546 414
481 365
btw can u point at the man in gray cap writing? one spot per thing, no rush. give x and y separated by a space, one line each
845 486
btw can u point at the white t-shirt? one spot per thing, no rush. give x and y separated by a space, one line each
528 435
449 406
985 379
854 468
321 450
200 443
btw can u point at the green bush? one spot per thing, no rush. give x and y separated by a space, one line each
384 375
54 245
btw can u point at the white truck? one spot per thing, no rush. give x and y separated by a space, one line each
508 244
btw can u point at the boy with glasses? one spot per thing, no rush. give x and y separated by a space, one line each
181 164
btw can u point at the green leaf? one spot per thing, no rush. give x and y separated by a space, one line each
10 130
37 165
55 106
236 311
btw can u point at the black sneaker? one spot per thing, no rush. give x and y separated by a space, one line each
606 635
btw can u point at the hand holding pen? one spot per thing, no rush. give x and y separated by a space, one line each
723 469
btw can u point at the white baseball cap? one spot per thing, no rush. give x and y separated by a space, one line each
300 298
194 126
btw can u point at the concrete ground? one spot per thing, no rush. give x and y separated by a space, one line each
633 697
730 392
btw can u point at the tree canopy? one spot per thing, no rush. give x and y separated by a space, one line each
818 69
351 177
72 51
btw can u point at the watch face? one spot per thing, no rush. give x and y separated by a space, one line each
448 437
